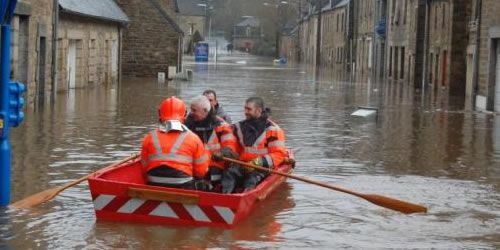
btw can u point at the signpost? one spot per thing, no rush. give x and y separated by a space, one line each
11 100
201 52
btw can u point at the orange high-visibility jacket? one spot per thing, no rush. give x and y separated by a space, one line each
181 150
270 145
222 136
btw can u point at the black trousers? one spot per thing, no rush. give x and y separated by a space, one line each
166 171
236 176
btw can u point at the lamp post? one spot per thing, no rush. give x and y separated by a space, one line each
207 29
279 24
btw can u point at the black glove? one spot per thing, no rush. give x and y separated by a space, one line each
217 156
229 153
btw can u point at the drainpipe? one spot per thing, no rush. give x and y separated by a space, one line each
318 35
55 28
426 48
475 92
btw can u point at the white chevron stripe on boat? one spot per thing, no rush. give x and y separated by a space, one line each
102 201
226 213
164 210
131 206
196 213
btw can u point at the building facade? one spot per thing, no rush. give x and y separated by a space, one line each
31 48
365 27
405 41
89 43
447 44
335 52
483 57
153 40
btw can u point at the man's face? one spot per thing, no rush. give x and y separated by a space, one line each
211 98
198 113
251 111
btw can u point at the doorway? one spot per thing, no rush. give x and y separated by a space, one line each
71 65
497 79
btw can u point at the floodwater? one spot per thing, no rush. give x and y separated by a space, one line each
425 150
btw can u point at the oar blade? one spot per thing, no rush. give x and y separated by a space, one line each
394 204
36 199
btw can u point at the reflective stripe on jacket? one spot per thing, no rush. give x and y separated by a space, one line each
222 136
270 145
181 150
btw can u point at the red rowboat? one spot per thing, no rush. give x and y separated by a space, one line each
119 193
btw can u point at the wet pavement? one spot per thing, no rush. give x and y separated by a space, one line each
420 148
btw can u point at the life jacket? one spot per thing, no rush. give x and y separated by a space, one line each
180 150
270 145
216 136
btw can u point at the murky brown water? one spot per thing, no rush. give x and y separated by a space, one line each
418 149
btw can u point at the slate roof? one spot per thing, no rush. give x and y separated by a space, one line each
191 8
100 9
249 21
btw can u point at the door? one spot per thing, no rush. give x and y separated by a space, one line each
497 80
114 61
71 65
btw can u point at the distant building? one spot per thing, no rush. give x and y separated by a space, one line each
483 55
247 33
153 40
89 42
88 47
447 44
335 32
32 45
192 18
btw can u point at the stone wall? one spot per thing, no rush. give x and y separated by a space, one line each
334 47
97 43
490 25
150 43
34 19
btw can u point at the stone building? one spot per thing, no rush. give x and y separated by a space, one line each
335 52
405 41
247 34
89 43
31 48
307 39
483 55
153 40
447 41
192 18
365 26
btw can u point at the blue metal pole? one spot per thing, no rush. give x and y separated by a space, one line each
5 149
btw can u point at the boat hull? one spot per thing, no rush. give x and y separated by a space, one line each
121 194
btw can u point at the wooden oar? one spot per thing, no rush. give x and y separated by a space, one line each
391 203
49 194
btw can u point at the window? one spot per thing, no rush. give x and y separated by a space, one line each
402 72
405 13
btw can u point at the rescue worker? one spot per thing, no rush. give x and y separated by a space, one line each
172 155
219 111
260 142
214 132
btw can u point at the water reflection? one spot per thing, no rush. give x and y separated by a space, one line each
421 148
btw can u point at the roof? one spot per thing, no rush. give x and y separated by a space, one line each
249 21
167 18
342 3
100 9
191 8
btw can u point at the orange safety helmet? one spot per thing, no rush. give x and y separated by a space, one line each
172 108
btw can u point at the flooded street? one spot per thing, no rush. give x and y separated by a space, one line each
417 149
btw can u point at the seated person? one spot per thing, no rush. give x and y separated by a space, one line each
172 155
